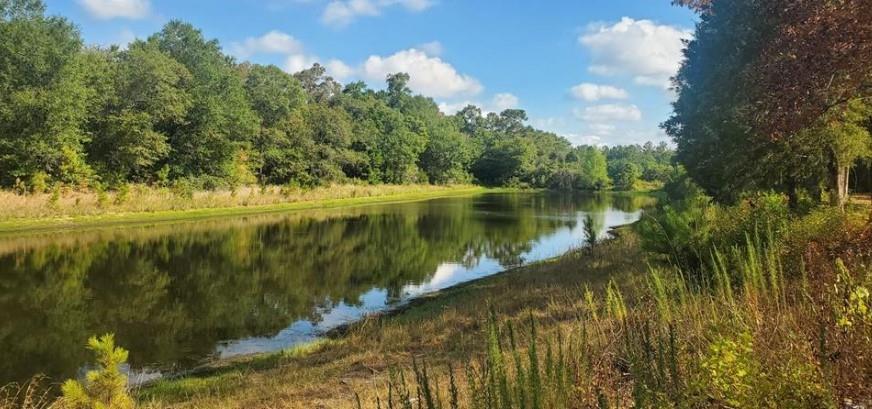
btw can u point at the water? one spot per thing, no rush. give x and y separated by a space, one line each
177 295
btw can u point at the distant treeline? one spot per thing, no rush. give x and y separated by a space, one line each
175 109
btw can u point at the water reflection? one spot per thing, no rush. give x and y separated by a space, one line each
177 294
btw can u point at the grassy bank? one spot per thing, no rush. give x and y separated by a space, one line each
444 327
778 320
141 204
782 323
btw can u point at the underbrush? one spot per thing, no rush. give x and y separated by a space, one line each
777 313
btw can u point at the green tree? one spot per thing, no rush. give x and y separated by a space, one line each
628 176
43 96
221 121
106 387
448 155
593 169
505 159
150 99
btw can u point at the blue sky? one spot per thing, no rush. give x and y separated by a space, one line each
594 71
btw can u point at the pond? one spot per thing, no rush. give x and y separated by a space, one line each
177 295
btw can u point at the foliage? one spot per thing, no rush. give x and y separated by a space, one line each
105 387
771 97
174 109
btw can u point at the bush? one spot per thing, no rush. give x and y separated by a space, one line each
39 183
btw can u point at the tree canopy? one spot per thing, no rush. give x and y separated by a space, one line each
173 108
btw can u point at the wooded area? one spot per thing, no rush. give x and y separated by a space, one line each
775 95
175 109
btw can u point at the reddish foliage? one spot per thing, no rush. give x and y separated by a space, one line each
819 59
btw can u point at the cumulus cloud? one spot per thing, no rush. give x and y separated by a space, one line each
594 92
500 102
429 75
109 9
340 13
273 42
299 62
608 113
433 48
651 53
504 101
339 69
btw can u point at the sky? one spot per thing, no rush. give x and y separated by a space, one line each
593 71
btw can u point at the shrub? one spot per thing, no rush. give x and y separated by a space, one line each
39 182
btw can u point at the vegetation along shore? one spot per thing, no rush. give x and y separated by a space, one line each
746 284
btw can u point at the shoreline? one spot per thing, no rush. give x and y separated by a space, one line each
333 335
73 223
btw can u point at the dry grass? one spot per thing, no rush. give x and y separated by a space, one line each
636 339
66 207
633 338
446 327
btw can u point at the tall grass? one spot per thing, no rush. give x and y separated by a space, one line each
66 202
747 338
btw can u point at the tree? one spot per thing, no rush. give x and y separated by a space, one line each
817 62
715 143
273 93
150 98
221 121
448 155
593 168
319 87
398 90
505 159
106 386
767 96
43 96
628 176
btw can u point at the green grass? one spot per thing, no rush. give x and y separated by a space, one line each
110 217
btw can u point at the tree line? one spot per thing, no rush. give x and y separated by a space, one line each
173 108
775 95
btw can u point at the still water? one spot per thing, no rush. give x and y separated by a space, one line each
177 295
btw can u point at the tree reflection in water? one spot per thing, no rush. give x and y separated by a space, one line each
171 293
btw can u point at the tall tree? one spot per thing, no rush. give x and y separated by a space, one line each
150 99
43 95
221 121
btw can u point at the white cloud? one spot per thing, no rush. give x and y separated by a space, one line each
594 92
339 70
109 9
430 76
273 42
340 13
649 52
504 101
608 113
451 108
299 62
500 102
433 48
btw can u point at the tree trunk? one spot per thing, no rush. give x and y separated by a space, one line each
792 194
839 188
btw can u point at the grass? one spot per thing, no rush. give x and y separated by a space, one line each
779 323
596 328
141 204
445 328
